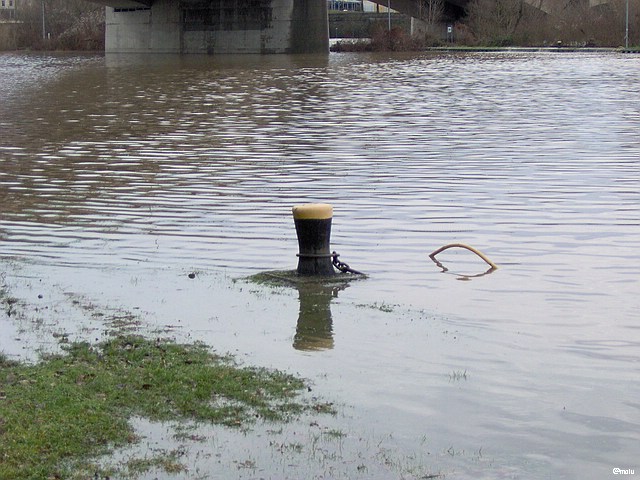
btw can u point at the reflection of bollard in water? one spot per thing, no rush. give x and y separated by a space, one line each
313 227
314 330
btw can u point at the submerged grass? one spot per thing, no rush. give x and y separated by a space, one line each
68 408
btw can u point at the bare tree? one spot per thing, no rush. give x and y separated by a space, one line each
495 21
608 23
61 24
574 22
431 11
552 22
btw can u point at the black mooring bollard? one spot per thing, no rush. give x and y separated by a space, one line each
313 226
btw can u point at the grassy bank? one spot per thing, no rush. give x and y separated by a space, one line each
59 414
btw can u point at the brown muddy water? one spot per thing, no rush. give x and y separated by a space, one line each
119 176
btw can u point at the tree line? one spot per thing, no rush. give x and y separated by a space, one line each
540 22
59 25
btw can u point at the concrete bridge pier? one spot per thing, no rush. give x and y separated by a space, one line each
217 26
309 26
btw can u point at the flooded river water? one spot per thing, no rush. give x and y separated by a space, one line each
120 176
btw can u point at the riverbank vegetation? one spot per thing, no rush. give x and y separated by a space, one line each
547 23
58 25
510 23
58 415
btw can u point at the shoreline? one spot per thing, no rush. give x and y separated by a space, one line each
537 49
347 41
345 44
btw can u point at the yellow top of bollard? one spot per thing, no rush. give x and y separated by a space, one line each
313 211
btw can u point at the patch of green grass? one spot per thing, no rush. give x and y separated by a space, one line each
57 414
8 303
167 462
335 433
383 307
458 375
5 362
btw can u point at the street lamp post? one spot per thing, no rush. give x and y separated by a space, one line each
626 28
